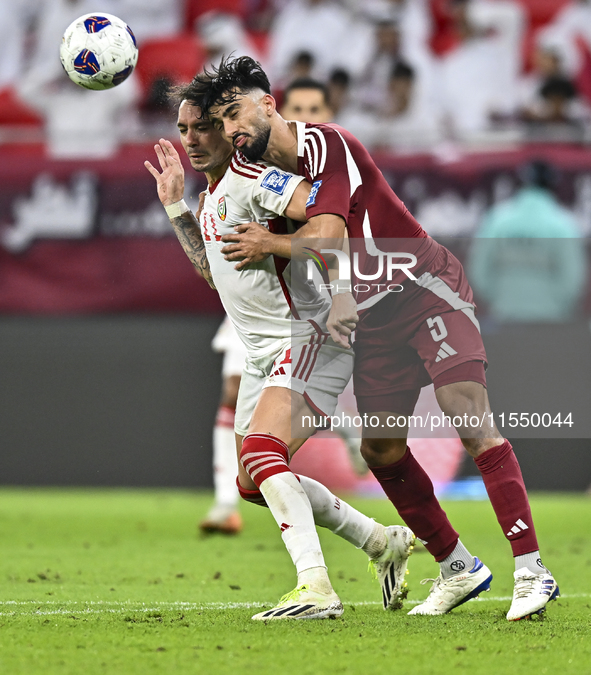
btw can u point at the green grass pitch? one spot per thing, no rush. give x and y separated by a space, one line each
118 582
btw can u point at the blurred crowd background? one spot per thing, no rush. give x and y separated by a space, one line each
403 75
478 113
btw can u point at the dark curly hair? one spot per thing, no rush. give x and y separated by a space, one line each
222 85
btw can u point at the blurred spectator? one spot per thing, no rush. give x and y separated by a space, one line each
78 122
547 61
339 84
528 261
478 77
572 22
222 35
375 89
148 19
412 16
324 29
400 122
306 100
301 66
557 103
15 18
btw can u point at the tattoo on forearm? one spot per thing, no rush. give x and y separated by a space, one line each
188 233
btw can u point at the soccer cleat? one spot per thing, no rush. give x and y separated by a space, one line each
531 594
304 603
221 519
390 567
445 594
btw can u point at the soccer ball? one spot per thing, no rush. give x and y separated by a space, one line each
98 51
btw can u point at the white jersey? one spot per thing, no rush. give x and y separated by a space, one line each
256 299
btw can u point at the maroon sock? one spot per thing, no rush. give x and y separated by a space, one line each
411 491
506 490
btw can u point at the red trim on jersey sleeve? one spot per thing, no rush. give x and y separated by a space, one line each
329 165
239 155
241 173
248 166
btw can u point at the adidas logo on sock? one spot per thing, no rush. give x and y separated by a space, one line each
285 526
517 528
444 351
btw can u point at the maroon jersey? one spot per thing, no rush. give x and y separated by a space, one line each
346 182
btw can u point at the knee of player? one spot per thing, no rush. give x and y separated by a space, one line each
372 448
254 496
476 446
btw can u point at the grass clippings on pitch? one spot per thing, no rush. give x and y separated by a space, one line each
118 582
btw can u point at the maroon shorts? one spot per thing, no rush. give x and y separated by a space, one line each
426 333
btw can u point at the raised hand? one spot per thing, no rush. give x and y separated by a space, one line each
171 182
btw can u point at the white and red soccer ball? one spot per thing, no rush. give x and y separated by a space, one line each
98 51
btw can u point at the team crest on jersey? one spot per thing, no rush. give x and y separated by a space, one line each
222 208
275 181
313 192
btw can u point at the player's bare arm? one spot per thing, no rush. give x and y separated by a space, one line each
171 187
253 243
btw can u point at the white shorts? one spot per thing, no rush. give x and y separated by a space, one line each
226 340
313 365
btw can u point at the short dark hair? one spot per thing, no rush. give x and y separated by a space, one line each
306 83
402 70
303 58
222 84
558 86
538 173
340 77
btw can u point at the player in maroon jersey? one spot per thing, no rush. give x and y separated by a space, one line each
415 323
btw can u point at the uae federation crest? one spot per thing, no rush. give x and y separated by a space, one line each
222 208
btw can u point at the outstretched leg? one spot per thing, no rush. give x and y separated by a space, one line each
410 489
388 548
498 465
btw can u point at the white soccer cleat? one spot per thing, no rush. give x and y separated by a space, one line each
390 567
531 594
445 594
304 603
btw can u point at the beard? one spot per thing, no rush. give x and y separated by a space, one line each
256 148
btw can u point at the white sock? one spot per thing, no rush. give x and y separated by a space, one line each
291 509
458 561
532 561
225 462
317 579
337 516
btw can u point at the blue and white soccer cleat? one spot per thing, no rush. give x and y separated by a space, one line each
531 593
304 603
445 594
390 568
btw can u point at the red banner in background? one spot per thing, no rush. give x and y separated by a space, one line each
92 237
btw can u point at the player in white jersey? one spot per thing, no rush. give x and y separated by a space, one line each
292 366
307 101
224 515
